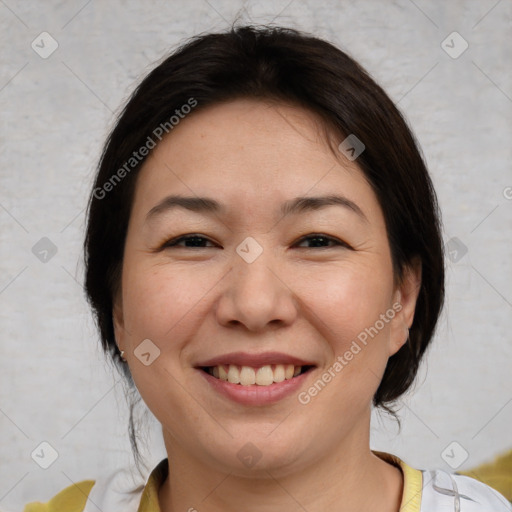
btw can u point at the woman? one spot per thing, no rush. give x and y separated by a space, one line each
264 260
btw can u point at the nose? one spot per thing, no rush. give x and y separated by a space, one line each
256 294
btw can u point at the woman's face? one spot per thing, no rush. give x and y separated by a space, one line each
256 288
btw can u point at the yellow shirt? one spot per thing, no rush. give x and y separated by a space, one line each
74 497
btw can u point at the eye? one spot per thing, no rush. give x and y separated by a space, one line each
319 239
195 241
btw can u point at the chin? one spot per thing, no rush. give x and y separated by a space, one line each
252 454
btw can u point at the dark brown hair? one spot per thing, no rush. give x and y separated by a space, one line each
284 65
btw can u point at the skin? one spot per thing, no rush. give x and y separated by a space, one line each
195 303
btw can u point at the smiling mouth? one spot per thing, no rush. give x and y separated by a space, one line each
262 376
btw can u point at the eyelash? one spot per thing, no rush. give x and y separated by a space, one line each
174 242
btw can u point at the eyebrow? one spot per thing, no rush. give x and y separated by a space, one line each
207 205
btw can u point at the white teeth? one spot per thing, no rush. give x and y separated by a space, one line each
279 373
233 374
223 374
263 376
289 371
247 376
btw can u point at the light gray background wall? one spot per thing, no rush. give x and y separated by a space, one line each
56 112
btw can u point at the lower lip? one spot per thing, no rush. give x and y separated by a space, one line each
254 394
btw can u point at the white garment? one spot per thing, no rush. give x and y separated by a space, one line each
119 491
442 492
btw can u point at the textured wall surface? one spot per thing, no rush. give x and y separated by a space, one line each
56 110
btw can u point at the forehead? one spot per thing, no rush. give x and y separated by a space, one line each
249 152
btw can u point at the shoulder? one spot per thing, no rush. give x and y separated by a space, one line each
439 491
113 491
497 473
451 492
70 499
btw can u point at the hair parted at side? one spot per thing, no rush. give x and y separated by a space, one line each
283 65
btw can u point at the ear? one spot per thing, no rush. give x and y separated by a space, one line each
118 320
404 302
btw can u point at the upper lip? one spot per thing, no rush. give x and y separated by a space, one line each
255 360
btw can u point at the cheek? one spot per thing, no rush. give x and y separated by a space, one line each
161 304
165 303
348 301
350 311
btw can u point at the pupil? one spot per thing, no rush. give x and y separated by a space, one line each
312 239
195 241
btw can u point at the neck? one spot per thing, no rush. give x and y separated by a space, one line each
348 478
